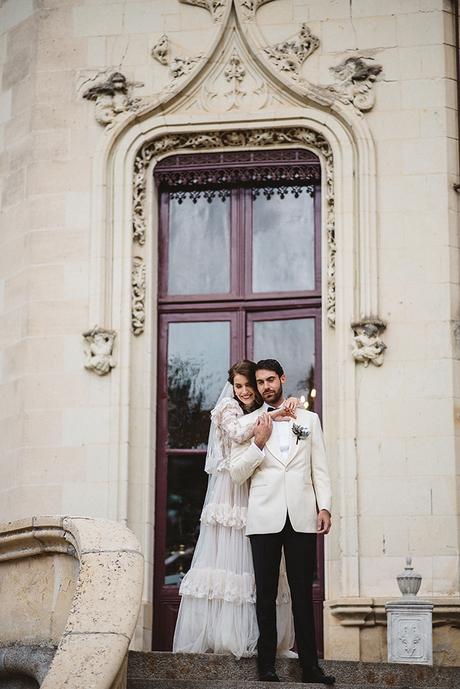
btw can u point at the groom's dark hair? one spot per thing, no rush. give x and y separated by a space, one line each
270 365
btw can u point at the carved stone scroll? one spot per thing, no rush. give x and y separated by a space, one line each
289 55
138 295
368 347
254 138
99 344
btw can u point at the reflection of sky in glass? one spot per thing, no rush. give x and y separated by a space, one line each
292 343
204 348
199 231
283 227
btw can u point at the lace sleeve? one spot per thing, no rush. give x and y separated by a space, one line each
226 417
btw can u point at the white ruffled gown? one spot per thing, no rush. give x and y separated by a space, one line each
217 610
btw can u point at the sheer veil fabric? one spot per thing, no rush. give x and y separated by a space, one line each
217 609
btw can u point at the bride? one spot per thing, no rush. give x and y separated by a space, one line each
217 609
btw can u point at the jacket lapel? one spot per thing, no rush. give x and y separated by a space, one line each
295 446
273 446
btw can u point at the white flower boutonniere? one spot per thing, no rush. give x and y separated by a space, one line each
300 432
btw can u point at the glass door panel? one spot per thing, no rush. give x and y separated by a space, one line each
283 242
187 483
292 340
198 360
199 244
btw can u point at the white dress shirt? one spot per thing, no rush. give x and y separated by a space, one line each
283 433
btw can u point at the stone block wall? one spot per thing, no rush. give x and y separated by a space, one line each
60 424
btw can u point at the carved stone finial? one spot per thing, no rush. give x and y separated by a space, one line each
368 345
112 97
215 7
290 55
355 82
99 344
409 582
138 295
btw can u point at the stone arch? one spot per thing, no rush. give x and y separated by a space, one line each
123 270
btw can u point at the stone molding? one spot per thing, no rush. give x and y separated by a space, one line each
370 612
99 346
138 295
107 597
255 138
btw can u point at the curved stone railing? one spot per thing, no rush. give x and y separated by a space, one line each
72 585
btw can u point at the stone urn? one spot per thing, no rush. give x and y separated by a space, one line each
409 582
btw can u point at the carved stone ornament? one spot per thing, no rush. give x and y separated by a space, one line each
112 97
138 295
215 7
241 139
99 344
290 55
160 50
178 66
355 82
368 345
250 7
233 88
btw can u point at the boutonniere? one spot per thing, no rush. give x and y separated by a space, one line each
300 432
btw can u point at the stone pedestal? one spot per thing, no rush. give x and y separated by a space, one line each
410 622
409 631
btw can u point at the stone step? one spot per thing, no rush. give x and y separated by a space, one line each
207 667
241 684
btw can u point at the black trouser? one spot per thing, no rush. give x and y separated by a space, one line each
300 555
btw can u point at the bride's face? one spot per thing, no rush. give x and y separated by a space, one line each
243 390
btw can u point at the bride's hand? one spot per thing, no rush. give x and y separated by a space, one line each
287 410
291 405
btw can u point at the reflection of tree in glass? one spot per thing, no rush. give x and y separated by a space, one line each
306 385
188 422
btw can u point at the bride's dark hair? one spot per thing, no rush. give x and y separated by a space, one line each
246 368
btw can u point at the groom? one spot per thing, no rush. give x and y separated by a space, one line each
289 503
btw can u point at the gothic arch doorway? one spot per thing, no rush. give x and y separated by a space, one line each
239 276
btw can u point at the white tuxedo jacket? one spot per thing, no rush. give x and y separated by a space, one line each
299 486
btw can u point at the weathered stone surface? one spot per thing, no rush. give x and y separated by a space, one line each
211 667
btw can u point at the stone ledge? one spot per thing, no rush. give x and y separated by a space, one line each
368 612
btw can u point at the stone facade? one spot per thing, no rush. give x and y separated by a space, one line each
93 93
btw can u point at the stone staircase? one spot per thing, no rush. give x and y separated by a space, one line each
206 671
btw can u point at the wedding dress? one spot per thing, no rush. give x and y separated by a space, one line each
217 609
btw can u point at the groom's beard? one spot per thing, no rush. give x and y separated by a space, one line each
274 400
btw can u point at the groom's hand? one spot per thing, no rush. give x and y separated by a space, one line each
323 522
263 430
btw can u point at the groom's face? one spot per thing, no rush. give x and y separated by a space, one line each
270 386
